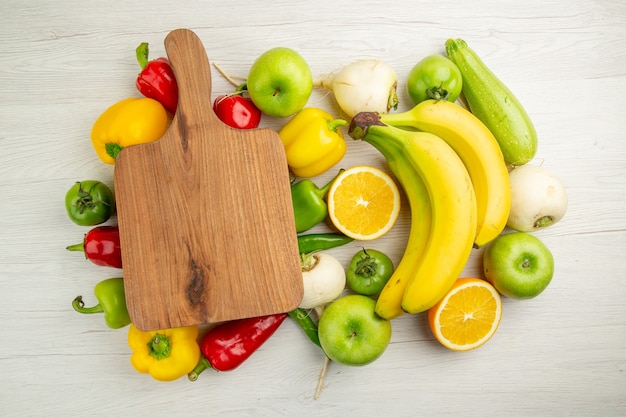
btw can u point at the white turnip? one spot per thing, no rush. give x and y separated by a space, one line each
324 280
538 198
363 85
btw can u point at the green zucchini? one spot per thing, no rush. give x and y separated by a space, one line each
494 104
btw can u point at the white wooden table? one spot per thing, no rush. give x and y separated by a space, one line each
561 354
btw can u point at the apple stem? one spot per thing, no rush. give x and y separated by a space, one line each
228 77
320 381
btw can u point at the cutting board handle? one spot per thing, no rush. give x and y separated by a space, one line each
191 67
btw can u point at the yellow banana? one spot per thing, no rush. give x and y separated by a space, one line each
431 162
479 151
453 227
389 302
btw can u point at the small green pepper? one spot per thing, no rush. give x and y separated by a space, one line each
307 324
309 207
111 302
321 241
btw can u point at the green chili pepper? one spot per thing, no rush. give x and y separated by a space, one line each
111 302
307 324
321 241
309 207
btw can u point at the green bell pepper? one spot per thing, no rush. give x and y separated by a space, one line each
111 302
309 207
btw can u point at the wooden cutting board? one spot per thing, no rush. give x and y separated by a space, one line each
205 215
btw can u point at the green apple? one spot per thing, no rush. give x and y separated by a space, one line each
280 82
351 333
519 265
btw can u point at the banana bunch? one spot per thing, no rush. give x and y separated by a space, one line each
478 149
443 205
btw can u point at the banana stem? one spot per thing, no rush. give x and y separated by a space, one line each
361 122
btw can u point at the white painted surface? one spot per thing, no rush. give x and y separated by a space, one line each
561 354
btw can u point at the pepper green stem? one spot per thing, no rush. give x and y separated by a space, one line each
113 149
160 346
79 247
142 52
334 124
321 192
79 306
202 365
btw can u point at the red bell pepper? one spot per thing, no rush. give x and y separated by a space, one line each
156 79
101 246
229 344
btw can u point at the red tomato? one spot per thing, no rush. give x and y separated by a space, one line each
237 111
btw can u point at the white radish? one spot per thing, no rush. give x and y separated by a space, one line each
324 279
364 85
538 198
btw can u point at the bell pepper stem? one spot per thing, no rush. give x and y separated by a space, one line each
79 306
202 365
79 247
321 192
113 149
334 124
142 52
160 346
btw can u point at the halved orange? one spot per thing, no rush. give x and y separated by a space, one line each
363 202
467 316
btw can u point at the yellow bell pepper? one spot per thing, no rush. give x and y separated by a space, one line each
164 354
313 142
128 122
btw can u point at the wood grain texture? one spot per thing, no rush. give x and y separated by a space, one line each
205 215
561 354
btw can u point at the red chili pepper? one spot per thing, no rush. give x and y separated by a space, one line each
101 246
237 111
229 344
156 79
